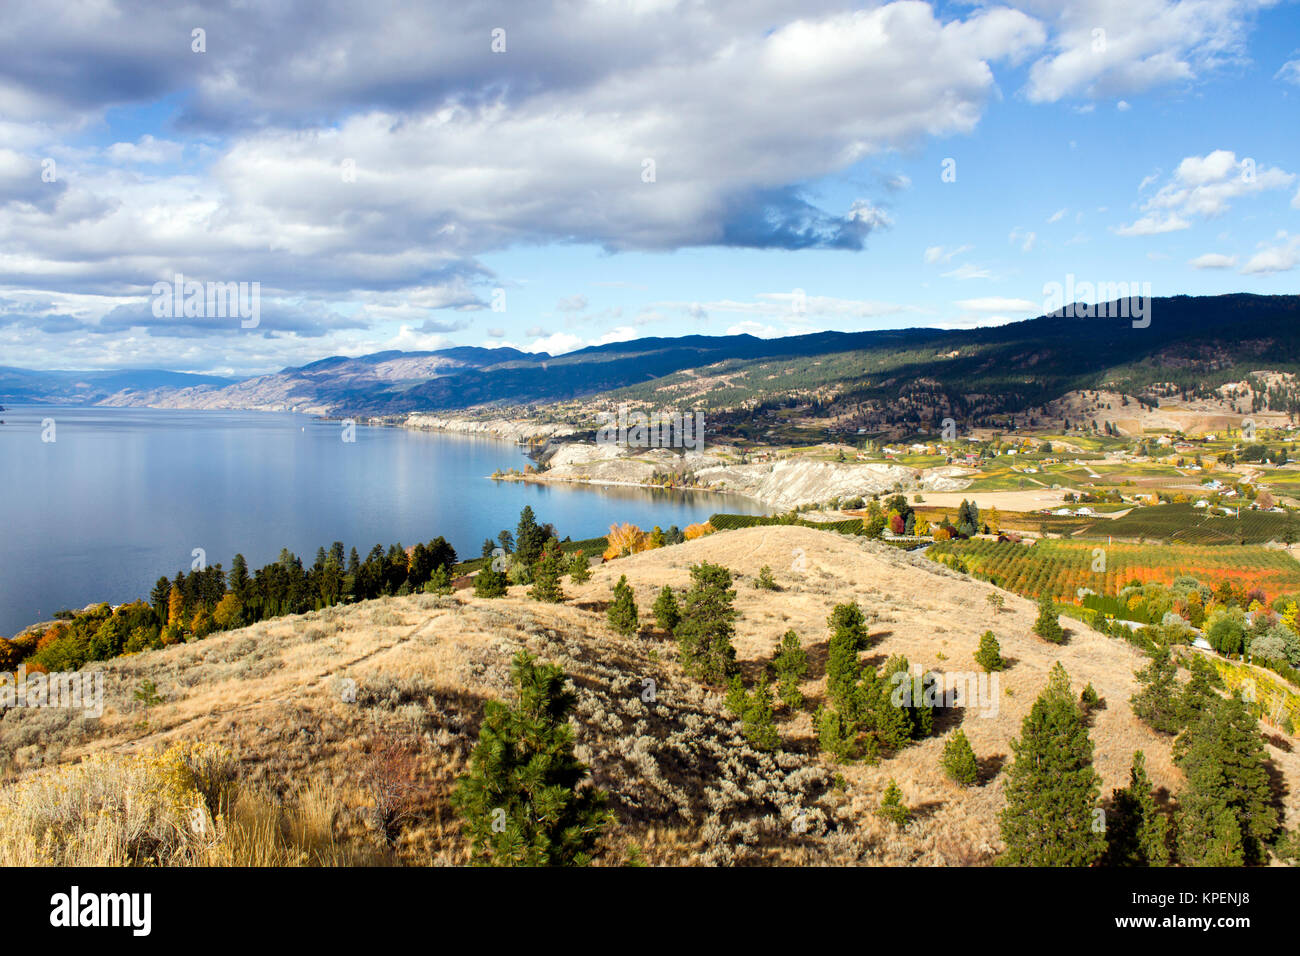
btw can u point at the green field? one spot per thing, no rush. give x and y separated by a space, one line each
1187 524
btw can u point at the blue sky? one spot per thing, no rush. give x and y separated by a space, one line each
797 153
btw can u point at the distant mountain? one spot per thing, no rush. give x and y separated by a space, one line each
1189 344
19 385
395 382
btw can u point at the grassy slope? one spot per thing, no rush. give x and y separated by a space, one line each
685 786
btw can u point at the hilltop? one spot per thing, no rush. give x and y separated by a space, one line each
686 787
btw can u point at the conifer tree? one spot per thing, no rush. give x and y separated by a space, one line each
439 581
622 612
959 761
1227 809
848 639
1052 788
1137 833
546 574
579 570
1158 703
706 626
523 801
892 807
791 665
989 655
1048 625
760 730
530 537
667 615
737 699
490 583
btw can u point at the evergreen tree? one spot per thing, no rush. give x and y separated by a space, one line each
737 699
765 580
1227 808
706 626
530 537
1048 625
959 761
439 581
523 801
488 547
622 612
989 655
546 575
892 807
760 730
1157 702
489 583
1052 788
791 665
848 638
1137 833
667 615
579 570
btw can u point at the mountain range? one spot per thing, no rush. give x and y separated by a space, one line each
1190 343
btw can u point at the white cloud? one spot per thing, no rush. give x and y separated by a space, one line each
1290 72
1270 259
1141 44
1057 216
968 271
937 254
1204 186
1213 260
1154 225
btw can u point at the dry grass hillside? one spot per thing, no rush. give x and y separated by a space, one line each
685 786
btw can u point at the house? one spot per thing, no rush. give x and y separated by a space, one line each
1202 504
1084 512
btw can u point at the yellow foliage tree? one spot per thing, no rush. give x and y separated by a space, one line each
625 539
694 531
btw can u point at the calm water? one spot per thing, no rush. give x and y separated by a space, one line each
122 496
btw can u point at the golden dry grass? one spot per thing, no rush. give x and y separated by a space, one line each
686 787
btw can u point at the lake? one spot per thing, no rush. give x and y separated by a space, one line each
121 496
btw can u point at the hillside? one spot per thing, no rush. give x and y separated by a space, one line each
829 382
686 787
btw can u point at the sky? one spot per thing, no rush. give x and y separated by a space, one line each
563 173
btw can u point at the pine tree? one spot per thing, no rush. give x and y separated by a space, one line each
439 581
892 807
546 575
530 537
523 801
666 611
791 665
579 570
622 612
1048 625
1052 788
760 730
737 699
706 626
989 655
489 583
1157 702
1137 833
1224 761
765 580
959 761
848 638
